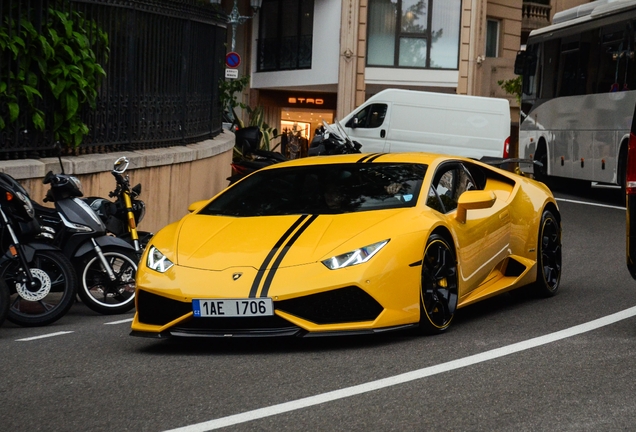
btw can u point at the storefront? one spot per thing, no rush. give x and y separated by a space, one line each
297 115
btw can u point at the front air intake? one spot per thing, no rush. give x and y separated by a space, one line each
157 310
344 305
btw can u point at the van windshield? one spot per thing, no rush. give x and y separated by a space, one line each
322 189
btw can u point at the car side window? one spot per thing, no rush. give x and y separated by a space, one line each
450 182
370 117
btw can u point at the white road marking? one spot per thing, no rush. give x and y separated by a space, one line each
43 336
408 376
589 203
119 322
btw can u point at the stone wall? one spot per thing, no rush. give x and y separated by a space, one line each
171 178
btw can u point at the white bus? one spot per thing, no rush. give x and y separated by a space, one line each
579 92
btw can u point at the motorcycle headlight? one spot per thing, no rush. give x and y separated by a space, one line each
139 210
77 184
355 257
157 261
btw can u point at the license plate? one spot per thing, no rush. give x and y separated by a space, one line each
232 307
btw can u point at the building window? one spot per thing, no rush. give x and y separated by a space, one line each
285 35
492 38
414 34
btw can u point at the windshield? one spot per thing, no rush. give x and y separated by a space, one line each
322 189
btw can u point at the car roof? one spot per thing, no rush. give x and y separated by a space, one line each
415 157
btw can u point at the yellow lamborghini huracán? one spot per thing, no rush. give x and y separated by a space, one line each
348 244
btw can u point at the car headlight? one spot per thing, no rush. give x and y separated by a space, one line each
357 256
157 261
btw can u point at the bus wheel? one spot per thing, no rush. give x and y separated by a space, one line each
541 171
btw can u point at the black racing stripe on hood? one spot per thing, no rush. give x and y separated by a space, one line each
272 253
363 160
279 258
371 159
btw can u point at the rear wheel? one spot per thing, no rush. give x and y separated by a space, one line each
541 171
102 294
548 255
438 296
50 298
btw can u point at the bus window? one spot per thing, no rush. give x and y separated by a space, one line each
591 56
529 70
613 59
630 84
572 76
550 65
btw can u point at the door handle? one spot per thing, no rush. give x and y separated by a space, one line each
382 133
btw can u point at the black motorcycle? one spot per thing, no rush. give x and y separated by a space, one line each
40 279
253 158
106 265
122 216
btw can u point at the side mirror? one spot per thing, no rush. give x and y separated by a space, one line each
473 200
121 165
520 62
197 205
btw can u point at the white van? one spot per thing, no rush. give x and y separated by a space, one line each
405 120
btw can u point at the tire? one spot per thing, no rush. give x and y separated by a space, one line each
96 289
622 170
52 300
541 172
548 255
4 301
438 293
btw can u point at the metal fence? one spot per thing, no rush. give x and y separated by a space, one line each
163 67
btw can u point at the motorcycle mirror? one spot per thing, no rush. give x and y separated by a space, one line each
58 148
121 165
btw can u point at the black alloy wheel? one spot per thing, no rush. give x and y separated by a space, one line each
548 255
438 296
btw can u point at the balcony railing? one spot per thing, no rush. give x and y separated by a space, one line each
535 15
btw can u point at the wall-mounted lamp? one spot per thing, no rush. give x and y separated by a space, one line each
235 18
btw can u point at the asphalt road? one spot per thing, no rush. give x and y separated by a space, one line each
514 362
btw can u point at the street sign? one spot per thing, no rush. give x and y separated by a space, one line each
232 60
231 73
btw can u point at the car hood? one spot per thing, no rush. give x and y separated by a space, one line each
220 242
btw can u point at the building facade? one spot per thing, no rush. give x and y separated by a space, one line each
314 60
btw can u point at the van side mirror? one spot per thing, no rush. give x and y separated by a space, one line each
352 123
473 200
197 205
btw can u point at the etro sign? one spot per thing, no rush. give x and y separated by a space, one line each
295 99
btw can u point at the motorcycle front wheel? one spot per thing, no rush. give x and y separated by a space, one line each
102 294
50 299
4 301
